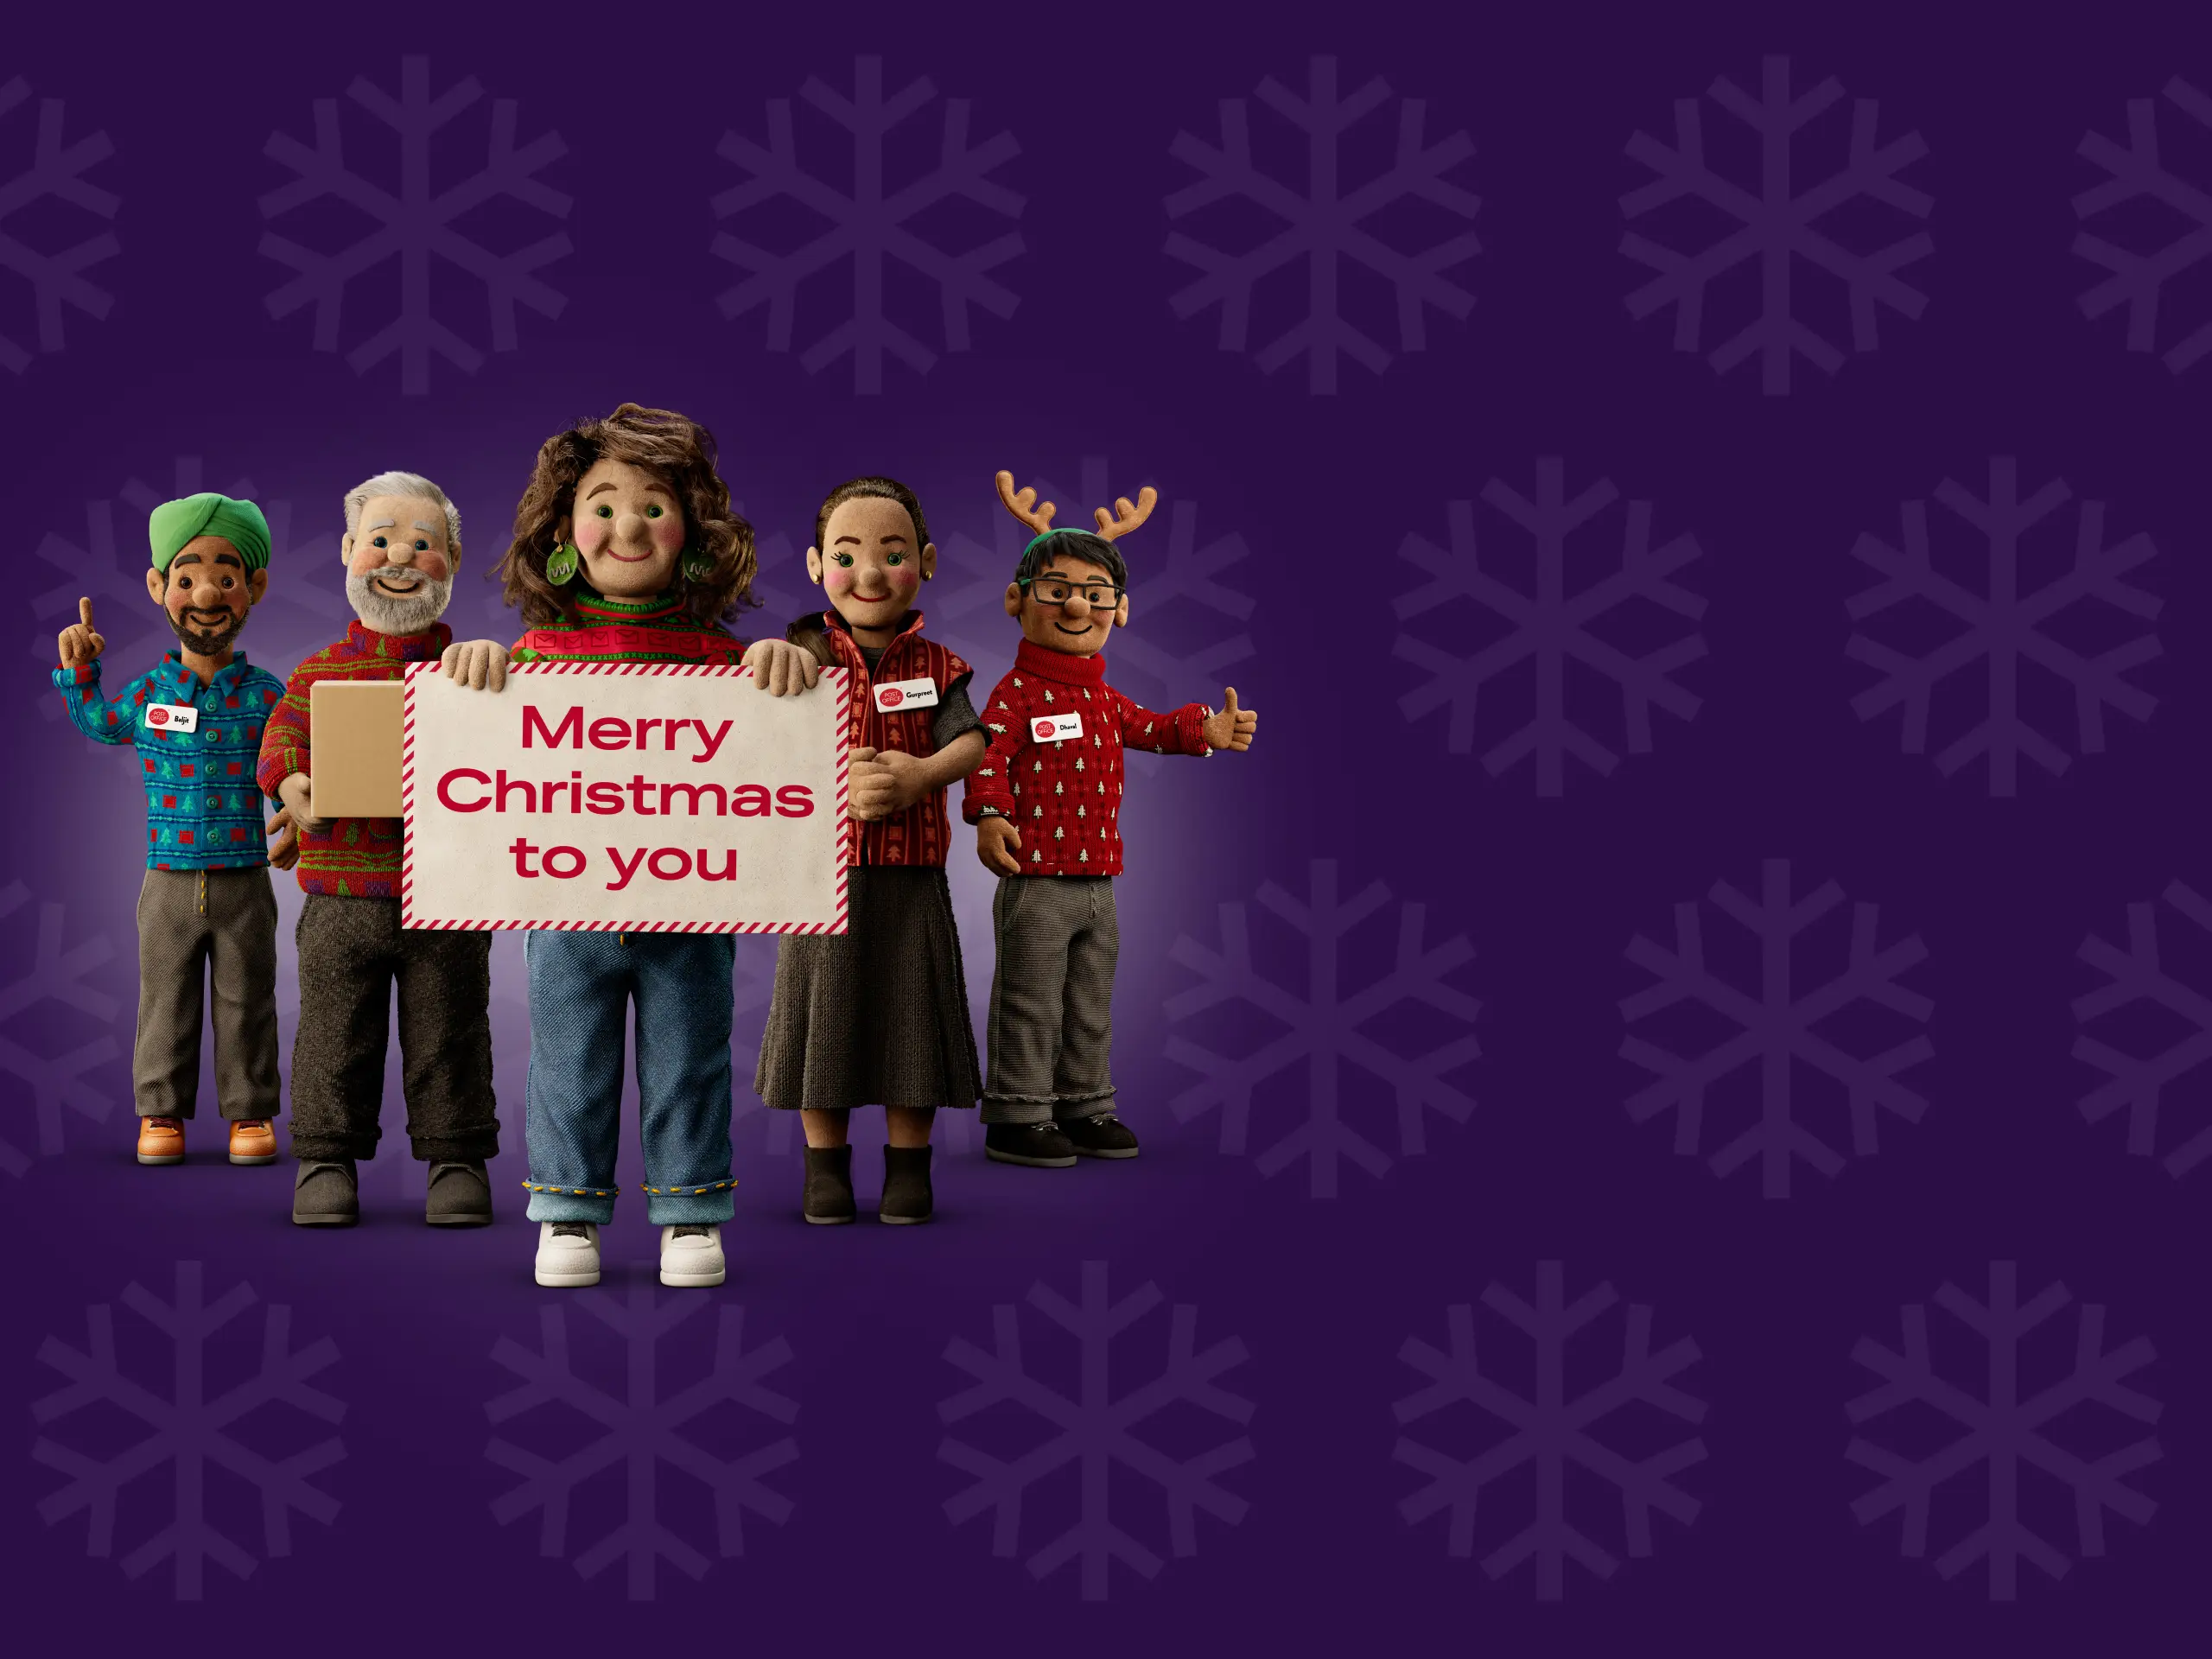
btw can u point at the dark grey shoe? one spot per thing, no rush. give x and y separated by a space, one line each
906 1195
461 1196
1101 1136
325 1195
1041 1146
828 1198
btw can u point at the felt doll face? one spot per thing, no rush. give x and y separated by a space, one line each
207 592
398 566
1086 613
868 564
629 527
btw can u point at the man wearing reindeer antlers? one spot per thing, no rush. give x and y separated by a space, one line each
1045 803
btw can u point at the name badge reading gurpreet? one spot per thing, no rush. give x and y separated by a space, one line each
1056 728
172 717
899 696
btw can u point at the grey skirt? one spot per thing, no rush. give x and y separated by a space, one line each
877 1016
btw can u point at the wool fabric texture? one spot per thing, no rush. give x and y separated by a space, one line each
655 630
920 835
208 514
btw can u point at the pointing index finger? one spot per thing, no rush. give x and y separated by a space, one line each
84 610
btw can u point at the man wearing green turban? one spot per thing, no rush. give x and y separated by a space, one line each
207 916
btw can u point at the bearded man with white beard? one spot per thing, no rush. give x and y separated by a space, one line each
401 550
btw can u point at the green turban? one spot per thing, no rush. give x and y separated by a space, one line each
209 513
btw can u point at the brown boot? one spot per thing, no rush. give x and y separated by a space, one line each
253 1141
161 1139
906 1195
829 1186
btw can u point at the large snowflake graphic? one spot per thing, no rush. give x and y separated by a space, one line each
1777 224
418 226
1094 1428
2138 172
2002 625
1550 1430
299 614
1323 1033
2137 978
873 224
56 976
56 174
2005 1427
191 1427
1325 229
1547 626
1778 1028
640 1427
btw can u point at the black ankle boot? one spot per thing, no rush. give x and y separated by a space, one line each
906 1195
829 1186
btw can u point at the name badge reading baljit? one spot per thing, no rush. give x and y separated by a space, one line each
173 717
1056 728
899 696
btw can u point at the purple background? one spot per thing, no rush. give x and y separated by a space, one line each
1095 385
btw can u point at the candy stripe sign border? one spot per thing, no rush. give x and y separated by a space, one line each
841 683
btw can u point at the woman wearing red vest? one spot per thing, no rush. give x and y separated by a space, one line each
880 1014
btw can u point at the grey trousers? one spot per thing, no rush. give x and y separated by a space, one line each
199 929
1051 1028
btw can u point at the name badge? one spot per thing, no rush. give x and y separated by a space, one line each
899 696
172 717
1056 728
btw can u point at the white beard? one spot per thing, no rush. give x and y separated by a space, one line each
387 613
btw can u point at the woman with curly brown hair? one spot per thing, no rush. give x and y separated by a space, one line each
626 549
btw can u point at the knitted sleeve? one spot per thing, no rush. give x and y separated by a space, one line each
1182 732
92 715
1006 720
284 736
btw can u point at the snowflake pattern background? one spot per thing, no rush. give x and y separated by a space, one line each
2005 1428
419 225
2005 627
1776 225
640 1427
1776 1028
872 224
1095 1429
193 1428
1325 228
2139 976
1550 1430
2138 172
74 1074
56 173
1323 1030
1547 626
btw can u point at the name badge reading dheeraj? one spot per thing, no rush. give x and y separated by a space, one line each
1056 728
899 696
172 717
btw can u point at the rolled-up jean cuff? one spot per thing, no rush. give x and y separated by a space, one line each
691 1207
566 1204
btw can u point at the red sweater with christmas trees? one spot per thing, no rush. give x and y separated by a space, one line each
1054 763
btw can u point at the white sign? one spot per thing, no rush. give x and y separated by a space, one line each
173 716
1056 728
637 797
895 696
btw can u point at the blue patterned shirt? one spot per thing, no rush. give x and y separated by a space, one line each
203 808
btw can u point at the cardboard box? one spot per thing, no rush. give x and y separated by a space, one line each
354 728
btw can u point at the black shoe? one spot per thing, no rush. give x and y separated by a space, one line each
906 1195
1101 1136
1041 1146
461 1196
828 1198
325 1195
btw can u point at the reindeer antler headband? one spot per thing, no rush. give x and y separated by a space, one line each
1112 526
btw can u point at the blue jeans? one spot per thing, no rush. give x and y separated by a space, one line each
579 985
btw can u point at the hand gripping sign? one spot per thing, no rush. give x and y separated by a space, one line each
640 796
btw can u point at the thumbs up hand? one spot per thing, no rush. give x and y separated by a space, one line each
1230 727
80 643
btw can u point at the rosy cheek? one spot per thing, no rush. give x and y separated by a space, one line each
904 579
667 534
432 564
840 580
593 535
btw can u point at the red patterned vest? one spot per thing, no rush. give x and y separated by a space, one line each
920 834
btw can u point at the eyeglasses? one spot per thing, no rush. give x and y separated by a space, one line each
1099 595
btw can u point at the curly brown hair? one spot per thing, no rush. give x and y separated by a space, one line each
675 449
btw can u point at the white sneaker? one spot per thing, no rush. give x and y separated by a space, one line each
568 1253
691 1254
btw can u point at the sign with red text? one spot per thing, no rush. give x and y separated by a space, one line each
637 797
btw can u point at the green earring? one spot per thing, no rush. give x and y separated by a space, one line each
560 564
698 564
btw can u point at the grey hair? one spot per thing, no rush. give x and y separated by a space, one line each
411 485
